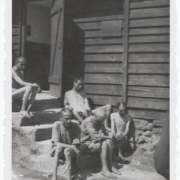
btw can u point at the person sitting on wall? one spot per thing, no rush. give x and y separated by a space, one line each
94 138
66 142
22 89
120 123
76 100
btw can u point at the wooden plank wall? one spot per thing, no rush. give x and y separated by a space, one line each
148 59
102 55
15 30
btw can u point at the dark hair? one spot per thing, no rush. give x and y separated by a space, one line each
121 103
77 78
64 110
18 58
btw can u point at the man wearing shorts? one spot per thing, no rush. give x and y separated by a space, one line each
76 100
66 142
22 89
120 125
94 137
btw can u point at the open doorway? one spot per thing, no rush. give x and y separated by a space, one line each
38 39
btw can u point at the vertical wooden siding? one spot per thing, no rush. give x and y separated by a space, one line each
102 56
148 60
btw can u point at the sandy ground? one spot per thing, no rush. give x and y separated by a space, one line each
127 173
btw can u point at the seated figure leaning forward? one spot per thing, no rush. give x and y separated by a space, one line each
95 139
66 142
76 100
120 122
22 89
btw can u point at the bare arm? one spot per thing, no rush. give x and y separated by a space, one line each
112 125
106 126
20 81
87 107
95 135
127 128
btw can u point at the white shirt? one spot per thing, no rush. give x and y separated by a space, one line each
76 100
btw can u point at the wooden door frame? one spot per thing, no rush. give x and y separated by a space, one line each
125 51
22 28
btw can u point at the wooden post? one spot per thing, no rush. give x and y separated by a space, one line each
20 9
125 51
23 4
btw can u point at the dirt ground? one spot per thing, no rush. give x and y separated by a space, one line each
128 172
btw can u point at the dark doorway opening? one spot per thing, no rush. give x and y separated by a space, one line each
37 45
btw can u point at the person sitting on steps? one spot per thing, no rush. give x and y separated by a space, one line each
66 142
22 89
95 139
76 100
120 123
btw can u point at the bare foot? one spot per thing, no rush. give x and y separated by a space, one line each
25 114
116 171
31 113
108 174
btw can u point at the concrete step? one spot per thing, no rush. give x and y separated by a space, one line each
35 133
43 101
39 117
36 155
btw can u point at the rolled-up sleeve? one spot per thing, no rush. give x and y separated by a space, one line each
55 133
95 135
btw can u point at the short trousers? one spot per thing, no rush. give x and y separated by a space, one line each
92 147
53 150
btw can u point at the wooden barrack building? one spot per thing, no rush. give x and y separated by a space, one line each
120 47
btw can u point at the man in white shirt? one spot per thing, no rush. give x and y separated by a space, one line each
76 100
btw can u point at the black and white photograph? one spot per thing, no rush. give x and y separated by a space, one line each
90 90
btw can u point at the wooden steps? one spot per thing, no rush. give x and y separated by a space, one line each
39 117
43 101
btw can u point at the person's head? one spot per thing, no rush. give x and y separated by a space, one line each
100 115
121 107
20 63
78 83
65 116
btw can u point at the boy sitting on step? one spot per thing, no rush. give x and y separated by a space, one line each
120 123
66 142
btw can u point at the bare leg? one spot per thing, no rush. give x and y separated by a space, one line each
108 112
32 98
76 114
104 153
67 154
23 92
109 157
59 150
26 97
110 150
120 151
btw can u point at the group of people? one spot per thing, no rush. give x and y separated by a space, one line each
90 131
79 129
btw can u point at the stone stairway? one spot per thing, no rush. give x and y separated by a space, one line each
31 138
